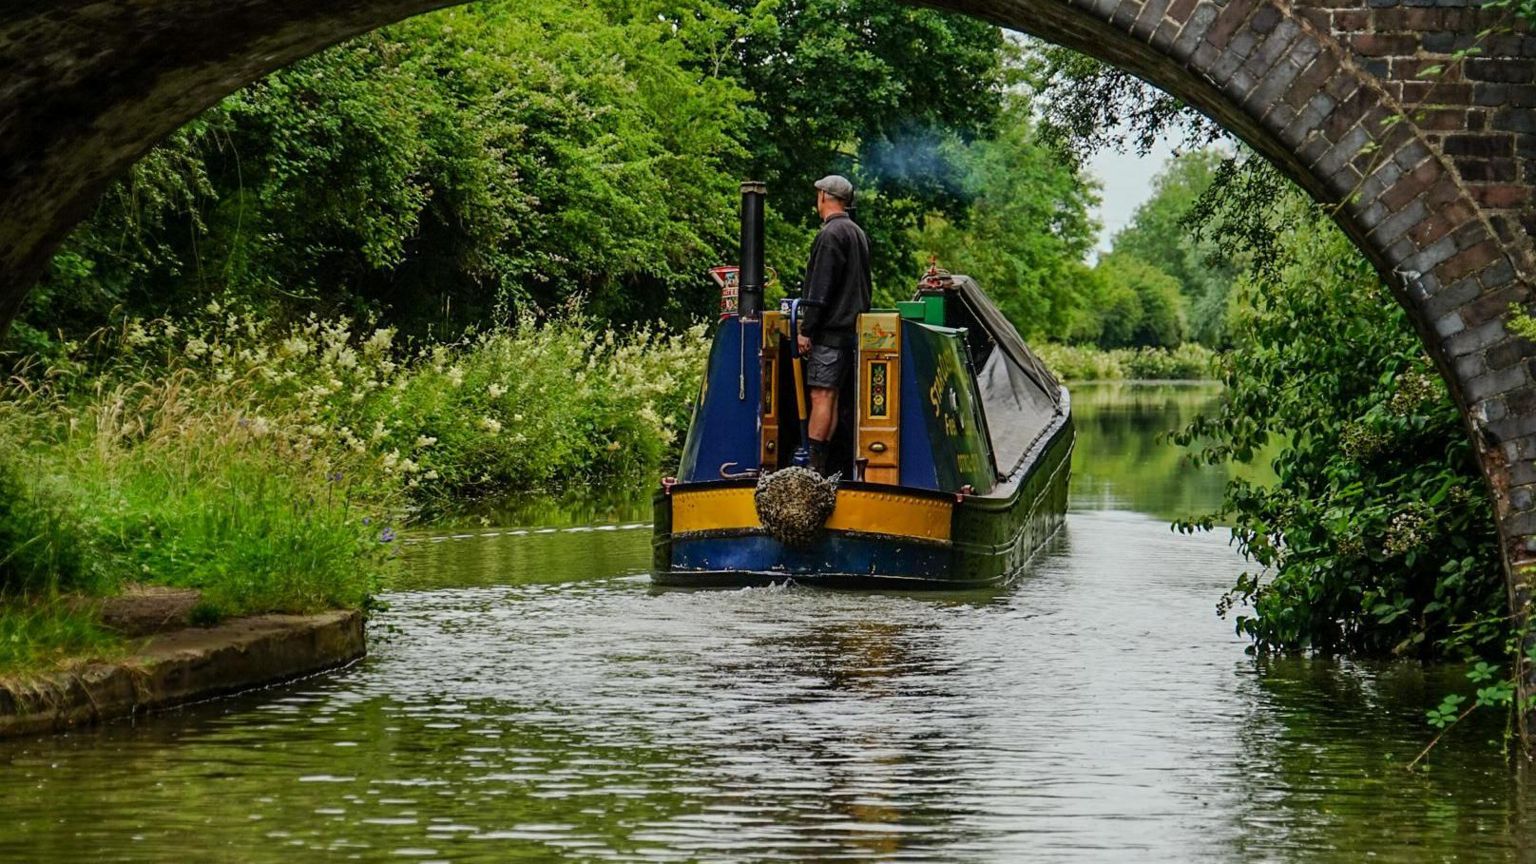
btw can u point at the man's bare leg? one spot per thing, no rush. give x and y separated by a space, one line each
823 423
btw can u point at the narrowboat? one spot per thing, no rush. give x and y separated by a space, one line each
951 459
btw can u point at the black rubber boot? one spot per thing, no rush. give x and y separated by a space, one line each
819 457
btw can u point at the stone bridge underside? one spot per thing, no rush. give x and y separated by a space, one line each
1441 202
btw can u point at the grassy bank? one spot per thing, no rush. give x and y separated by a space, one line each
1088 363
270 467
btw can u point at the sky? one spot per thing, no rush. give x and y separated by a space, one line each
1127 180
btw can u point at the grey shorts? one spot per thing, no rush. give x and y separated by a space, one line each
828 366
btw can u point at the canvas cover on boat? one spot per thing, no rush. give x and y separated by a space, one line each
1021 397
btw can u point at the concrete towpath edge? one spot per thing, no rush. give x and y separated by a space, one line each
181 667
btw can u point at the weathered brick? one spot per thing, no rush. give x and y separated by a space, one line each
1398 223
1474 339
1518 523
1449 300
1343 150
1497 275
1306 86
1493 383
1413 184
1265 19
1429 257
1495 408
1468 366
1480 146
1507 195
1150 17
1383 44
1269 53
1229 18
1522 401
1194 30
1487 170
1490 306
1521 497
1468 261
1266 96
1179 11
1507 353
1450 324
1500 70
1432 230
1237 50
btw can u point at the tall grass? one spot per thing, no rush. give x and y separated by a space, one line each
1088 363
268 466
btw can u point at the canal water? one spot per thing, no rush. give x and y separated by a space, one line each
530 697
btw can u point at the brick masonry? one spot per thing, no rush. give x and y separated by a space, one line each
1441 200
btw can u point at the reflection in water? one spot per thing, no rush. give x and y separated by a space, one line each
1124 460
530 696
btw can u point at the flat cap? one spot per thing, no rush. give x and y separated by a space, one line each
837 186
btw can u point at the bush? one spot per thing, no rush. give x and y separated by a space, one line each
519 409
1377 537
1140 307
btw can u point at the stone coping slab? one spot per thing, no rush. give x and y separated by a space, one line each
182 666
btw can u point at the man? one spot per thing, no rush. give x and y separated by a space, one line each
837 290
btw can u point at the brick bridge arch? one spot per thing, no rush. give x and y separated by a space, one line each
1441 204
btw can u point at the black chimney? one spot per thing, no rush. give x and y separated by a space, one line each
749 298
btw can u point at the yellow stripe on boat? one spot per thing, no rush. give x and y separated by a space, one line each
861 510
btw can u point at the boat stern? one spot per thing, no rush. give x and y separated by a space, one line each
710 534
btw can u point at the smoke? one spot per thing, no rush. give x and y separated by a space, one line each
918 162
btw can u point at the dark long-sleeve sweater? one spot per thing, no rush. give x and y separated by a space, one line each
837 284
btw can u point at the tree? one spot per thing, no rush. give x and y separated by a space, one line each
493 157
1161 234
873 89
1027 228
1140 305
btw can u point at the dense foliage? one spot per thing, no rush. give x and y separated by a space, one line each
500 159
1161 235
438 170
1378 537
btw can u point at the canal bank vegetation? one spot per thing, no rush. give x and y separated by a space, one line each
1376 536
270 466
1187 362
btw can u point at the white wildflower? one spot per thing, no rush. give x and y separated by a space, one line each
380 341
294 346
496 391
424 441
135 334
490 424
455 376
